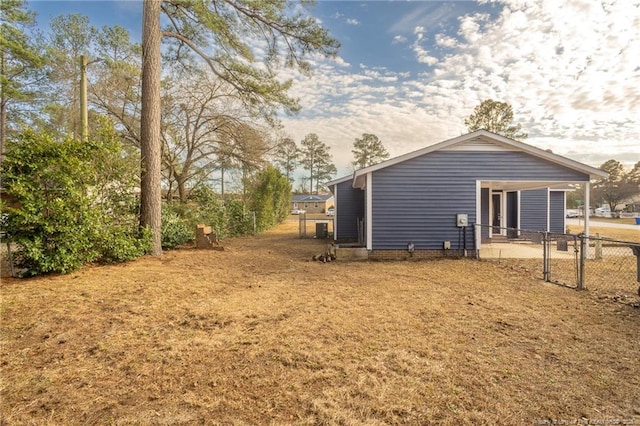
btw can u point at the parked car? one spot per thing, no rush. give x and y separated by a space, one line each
604 211
298 211
574 213
331 211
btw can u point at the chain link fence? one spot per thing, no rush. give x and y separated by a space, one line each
315 225
611 267
608 267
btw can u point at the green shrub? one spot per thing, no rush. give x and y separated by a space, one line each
239 220
176 231
270 197
120 244
208 208
70 201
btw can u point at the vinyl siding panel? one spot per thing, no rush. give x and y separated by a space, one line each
350 208
533 210
557 200
417 200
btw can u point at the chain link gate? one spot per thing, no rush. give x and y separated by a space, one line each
605 266
562 259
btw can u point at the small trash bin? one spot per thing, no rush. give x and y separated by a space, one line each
322 230
637 220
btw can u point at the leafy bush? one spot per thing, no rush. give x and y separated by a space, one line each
208 208
239 220
229 218
270 197
70 201
176 231
121 245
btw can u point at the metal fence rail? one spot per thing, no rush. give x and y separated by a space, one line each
603 265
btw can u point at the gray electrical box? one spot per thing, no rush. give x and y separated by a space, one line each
462 220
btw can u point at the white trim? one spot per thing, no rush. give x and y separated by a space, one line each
369 213
564 211
587 208
503 213
483 135
339 180
490 217
548 210
519 211
478 229
335 213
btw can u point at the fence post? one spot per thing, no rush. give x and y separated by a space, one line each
545 257
584 241
598 254
302 225
636 252
255 225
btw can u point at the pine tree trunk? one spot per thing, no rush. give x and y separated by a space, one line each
150 144
3 109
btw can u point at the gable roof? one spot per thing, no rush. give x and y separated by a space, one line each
301 198
480 136
337 181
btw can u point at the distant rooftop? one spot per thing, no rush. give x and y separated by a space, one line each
310 198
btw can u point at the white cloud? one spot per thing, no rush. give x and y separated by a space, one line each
352 21
571 71
446 41
399 39
422 54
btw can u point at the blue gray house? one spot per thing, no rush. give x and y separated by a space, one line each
430 199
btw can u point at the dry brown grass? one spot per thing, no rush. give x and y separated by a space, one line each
632 235
259 334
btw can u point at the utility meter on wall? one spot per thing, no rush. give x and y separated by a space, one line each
462 220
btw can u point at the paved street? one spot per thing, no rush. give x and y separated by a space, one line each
595 222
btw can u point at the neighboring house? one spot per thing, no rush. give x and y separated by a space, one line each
413 201
312 203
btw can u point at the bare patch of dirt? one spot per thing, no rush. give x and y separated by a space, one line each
260 334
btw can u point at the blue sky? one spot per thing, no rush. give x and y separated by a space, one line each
411 72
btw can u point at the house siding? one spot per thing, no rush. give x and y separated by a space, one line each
350 208
484 231
557 203
417 200
533 209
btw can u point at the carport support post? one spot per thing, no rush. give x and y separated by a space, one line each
545 257
587 207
